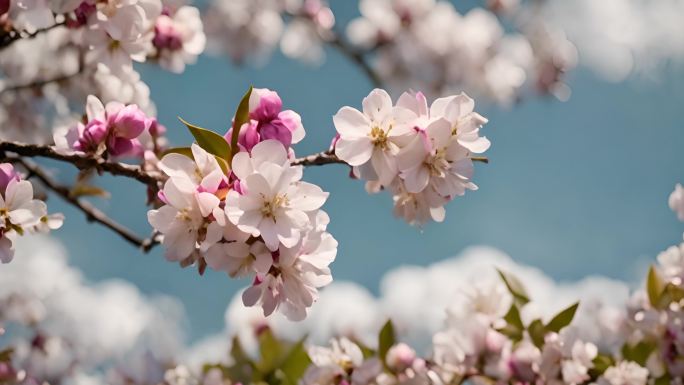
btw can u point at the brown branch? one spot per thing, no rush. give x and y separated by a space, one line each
41 83
328 157
337 42
356 57
12 36
318 159
84 162
92 213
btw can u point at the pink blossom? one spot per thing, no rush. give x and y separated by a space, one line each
165 35
7 174
268 121
116 126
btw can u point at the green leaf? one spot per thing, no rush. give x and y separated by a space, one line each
180 150
562 319
654 286
663 380
187 151
271 351
241 117
601 363
6 355
296 362
85 190
638 353
210 141
514 326
515 287
537 332
243 369
386 339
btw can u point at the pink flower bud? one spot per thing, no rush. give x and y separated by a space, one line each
264 104
400 356
276 129
7 174
94 133
166 36
128 123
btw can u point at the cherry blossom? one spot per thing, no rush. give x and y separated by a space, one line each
178 38
269 121
113 129
273 202
19 211
369 140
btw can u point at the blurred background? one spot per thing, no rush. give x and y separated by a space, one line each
574 188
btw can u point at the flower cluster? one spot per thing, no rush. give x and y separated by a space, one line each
88 47
20 212
258 220
422 154
428 44
245 29
113 130
267 120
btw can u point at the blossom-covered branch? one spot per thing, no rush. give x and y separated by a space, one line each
91 213
8 38
83 161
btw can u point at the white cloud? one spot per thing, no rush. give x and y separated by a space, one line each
113 323
415 298
97 325
619 37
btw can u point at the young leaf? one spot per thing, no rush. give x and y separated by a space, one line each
6 354
537 332
514 326
179 150
663 380
296 362
515 287
241 117
271 351
654 286
638 353
386 339
210 141
243 368
601 363
82 189
186 151
562 319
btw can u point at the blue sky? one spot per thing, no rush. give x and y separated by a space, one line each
576 188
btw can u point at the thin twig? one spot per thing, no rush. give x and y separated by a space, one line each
356 57
318 159
91 212
13 36
40 83
328 157
84 162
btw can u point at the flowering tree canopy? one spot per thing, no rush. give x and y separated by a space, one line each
236 201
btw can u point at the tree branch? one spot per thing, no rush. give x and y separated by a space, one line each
91 212
328 157
318 159
356 57
14 35
41 83
84 162
337 42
